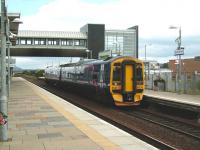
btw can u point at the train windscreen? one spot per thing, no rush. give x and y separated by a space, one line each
117 72
139 74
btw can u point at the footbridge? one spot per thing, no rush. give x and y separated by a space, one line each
88 42
50 43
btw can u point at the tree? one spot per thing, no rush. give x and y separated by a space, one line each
165 65
39 73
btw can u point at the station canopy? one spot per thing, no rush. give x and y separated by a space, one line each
14 21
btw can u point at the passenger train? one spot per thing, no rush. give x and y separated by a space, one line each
119 80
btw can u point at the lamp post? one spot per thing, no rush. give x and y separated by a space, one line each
178 52
8 62
145 52
8 53
145 58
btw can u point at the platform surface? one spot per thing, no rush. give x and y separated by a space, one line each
175 97
39 120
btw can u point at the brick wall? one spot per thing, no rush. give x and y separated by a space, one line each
189 67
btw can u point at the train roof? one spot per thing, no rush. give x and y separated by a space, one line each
81 62
93 61
110 59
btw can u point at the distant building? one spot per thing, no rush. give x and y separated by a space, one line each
107 43
189 66
95 38
152 67
151 64
121 42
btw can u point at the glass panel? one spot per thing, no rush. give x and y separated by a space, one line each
17 42
63 42
55 42
23 41
82 43
43 42
70 42
36 42
76 42
120 42
50 41
29 41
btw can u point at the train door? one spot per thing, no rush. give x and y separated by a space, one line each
128 80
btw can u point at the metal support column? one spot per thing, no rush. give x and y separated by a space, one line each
8 43
9 74
179 61
178 52
3 97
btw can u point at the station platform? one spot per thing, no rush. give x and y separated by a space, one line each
39 120
191 102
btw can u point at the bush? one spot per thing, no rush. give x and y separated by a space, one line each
27 72
36 73
39 73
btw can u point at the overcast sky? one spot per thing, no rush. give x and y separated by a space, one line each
153 17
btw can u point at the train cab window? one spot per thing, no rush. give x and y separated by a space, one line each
117 74
139 74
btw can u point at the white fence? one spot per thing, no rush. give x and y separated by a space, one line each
165 82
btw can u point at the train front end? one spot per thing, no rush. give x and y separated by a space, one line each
127 81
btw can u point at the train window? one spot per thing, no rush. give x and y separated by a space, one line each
107 73
95 76
81 76
117 74
139 74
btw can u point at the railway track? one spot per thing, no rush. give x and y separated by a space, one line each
178 126
160 132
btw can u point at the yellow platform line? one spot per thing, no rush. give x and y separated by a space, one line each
99 139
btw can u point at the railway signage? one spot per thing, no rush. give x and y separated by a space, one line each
179 51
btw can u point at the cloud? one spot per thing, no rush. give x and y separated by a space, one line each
31 63
162 49
153 17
